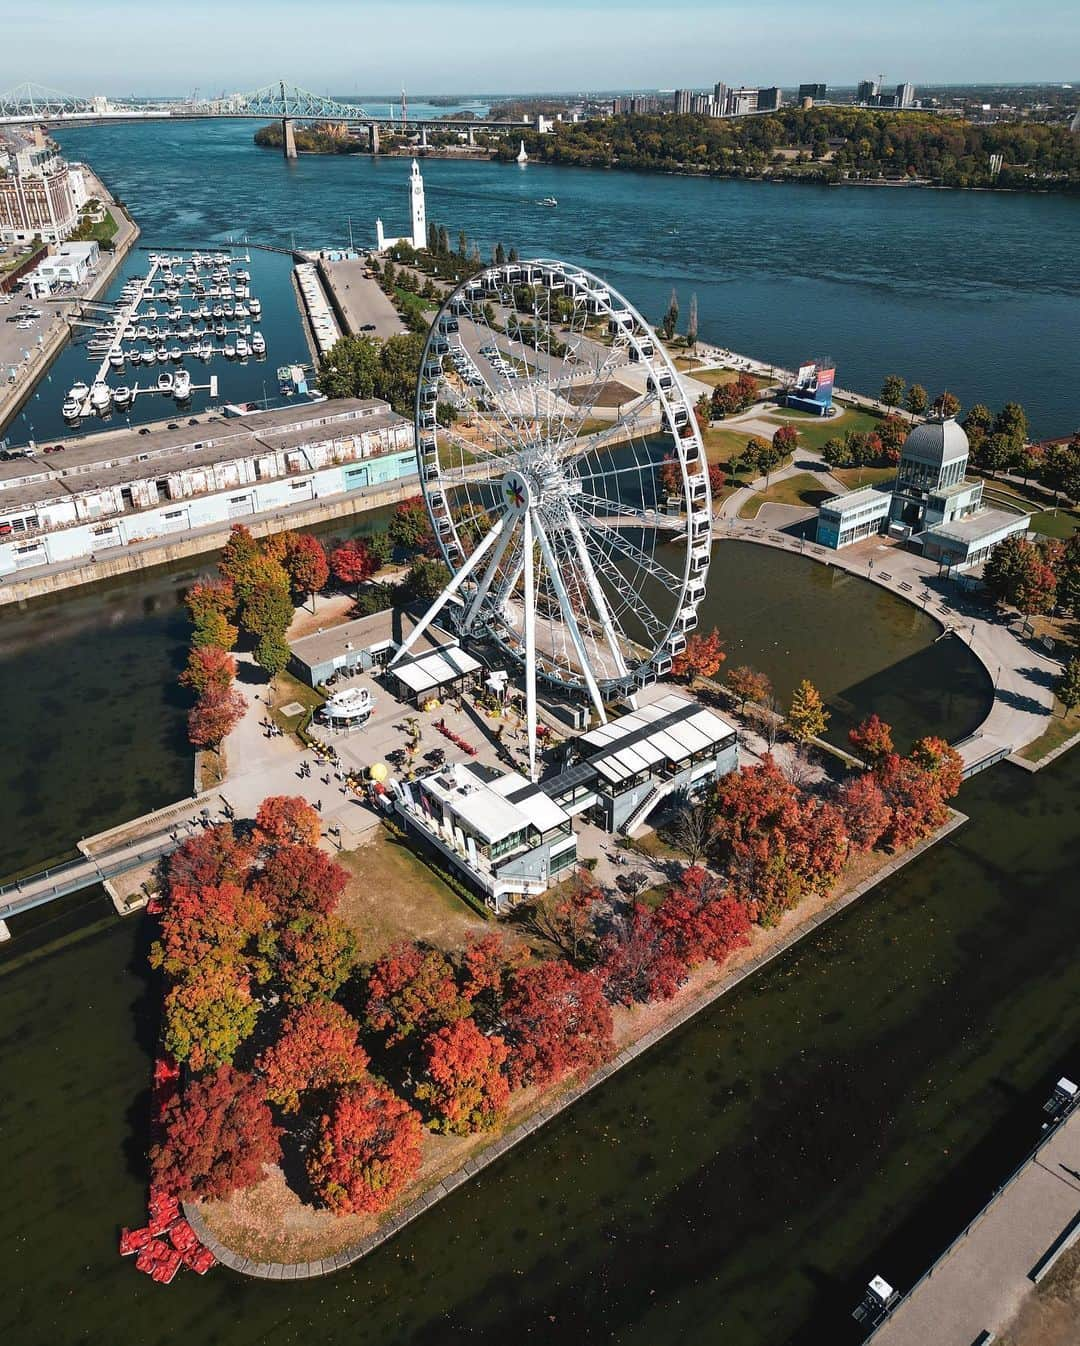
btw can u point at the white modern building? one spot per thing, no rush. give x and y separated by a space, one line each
505 837
931 501
70 264
418 216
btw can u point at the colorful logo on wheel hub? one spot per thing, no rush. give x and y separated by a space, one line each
515 492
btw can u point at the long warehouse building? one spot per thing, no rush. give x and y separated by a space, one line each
126 486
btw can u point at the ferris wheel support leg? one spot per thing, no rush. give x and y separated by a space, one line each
506 528
570 619
597 595
530 642
448 593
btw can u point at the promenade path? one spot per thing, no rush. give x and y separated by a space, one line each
1023 675
981 1281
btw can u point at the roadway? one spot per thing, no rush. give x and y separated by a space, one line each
361 300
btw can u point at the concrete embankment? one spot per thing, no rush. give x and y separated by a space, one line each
142 556
57 332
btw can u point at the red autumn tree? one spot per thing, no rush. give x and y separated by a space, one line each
671 475
212 855
914 798
316 954
217 1137
413 989
717 479
367 1149
213 923
301 878
213 717
557 1021
487 964
306 564
286 820
866 814
872 739
464 1084
208 1014
773 844
352 563
702 657
786 440
703 921
637 960
317 1049
209 669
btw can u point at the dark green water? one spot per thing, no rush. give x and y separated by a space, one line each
844 1113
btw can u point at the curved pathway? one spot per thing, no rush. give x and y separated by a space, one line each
1023 676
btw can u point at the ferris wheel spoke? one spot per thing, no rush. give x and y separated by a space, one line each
556 580
614 514
642 559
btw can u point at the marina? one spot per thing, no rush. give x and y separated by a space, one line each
207 310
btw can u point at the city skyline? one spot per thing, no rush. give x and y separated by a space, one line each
576 48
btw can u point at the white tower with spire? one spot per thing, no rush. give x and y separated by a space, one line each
419 211
522 154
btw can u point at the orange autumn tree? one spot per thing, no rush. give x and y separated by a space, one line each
702 657
367 1149
286 820
464 1084
413 989
317 1049
557 1021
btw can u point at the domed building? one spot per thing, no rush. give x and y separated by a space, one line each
931 502
930 486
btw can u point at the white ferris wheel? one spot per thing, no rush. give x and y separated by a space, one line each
552 434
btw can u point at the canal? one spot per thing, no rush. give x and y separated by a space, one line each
843 1113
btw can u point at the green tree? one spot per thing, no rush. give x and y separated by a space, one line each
917 400
500 254
1012 421
946 404
979 417
692 324
671 317
807 717
1067 686
892 390
272 653
998 453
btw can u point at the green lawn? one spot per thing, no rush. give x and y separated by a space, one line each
723 445
715 378
1062 727
854 477
1061 523
100 232
814 430
802 489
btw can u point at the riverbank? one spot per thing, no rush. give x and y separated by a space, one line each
57 331
652 1025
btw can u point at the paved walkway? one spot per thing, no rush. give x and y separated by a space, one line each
981 1281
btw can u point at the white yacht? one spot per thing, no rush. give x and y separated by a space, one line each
258 343
182 385
121 396
243 350
71 409
116 359
161 355
176 353
254 307
79 391
230 350
100 396
165 382
206 350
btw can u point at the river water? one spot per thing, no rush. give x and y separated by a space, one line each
842 1114
974 291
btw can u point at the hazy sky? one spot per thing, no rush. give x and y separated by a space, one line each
350 46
